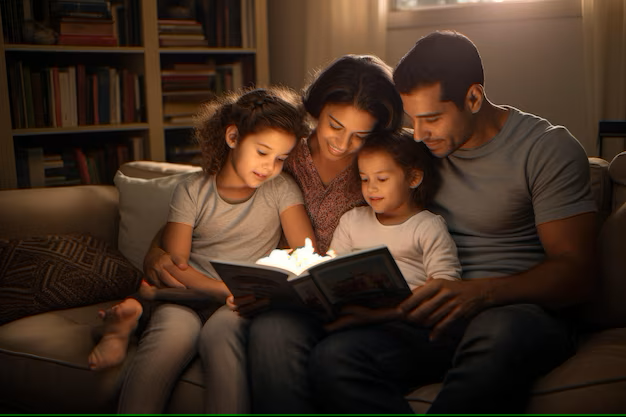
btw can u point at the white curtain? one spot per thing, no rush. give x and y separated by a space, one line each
604 23
338 27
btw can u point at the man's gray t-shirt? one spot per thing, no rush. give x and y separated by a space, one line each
243 231
493 196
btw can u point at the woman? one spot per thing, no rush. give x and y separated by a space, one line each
351 98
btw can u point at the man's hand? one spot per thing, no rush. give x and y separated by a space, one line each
247 306
160 268
354 315
439 303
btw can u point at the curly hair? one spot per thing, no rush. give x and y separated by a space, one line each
409 155
364 81
251 111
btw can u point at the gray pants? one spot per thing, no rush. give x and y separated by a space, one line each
174 335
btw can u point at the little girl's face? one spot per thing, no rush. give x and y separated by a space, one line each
259 157
384 184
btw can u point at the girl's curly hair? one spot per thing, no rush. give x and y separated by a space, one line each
251 111
410 155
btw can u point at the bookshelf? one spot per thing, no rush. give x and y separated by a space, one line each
142 117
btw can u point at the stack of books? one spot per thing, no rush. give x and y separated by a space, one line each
181 33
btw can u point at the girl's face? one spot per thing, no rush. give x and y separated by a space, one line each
341 129
385 185
259 157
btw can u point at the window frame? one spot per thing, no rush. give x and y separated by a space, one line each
469 13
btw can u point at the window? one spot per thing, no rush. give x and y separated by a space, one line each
416 4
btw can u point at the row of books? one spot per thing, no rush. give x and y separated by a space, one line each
73 96
72 22
225 23
73 166
181 33
186 85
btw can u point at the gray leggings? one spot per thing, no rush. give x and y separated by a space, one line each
173 336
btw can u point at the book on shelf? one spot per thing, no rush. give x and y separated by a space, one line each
368 277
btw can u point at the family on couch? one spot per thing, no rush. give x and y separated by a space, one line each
515 195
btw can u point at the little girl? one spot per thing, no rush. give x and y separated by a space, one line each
398 180
233 209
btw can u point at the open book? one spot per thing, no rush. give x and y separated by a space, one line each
369 277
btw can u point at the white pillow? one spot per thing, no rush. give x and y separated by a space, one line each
144 206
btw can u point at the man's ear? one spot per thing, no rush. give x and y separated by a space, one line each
475 97
416 178
231 136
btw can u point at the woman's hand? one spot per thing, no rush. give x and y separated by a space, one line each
160 268
248 305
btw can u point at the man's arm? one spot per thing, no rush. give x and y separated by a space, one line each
565 278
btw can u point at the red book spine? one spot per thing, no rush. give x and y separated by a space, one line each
81 94
57 97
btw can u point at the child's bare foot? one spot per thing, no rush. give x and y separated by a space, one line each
119 323
147 291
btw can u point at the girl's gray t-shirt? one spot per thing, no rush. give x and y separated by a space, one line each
243 231
494 196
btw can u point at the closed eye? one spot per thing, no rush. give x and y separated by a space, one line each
260 152
382 179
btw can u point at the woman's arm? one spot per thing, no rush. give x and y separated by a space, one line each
177 242
161 267
297 226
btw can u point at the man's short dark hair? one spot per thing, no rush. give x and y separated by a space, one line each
445 57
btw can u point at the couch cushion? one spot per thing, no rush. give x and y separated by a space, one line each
617 171
144 205
44 366
601 188
60 210
593 381
51 272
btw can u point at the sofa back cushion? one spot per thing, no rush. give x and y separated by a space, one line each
58 210
144 206
617 171
608 308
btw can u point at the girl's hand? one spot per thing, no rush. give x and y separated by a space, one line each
248 305
354 315
160 267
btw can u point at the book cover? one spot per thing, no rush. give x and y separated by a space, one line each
369 277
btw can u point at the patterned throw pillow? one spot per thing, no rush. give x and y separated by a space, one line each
53 272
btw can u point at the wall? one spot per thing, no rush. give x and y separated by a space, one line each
532 53
286 39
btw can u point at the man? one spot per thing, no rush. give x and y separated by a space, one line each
516 196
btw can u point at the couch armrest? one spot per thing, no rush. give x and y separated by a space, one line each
55 210
617 171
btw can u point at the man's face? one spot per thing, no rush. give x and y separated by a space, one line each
441 125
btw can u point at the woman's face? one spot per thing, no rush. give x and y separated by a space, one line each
341 129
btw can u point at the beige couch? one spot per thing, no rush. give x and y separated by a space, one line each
43 358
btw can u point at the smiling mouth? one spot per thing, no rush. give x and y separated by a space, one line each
336 151
261 176
375 199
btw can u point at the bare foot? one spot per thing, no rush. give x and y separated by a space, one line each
147 291
119 323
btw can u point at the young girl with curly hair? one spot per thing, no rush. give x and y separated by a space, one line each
233 209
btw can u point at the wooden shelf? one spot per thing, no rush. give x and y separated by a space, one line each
80 129
146 61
